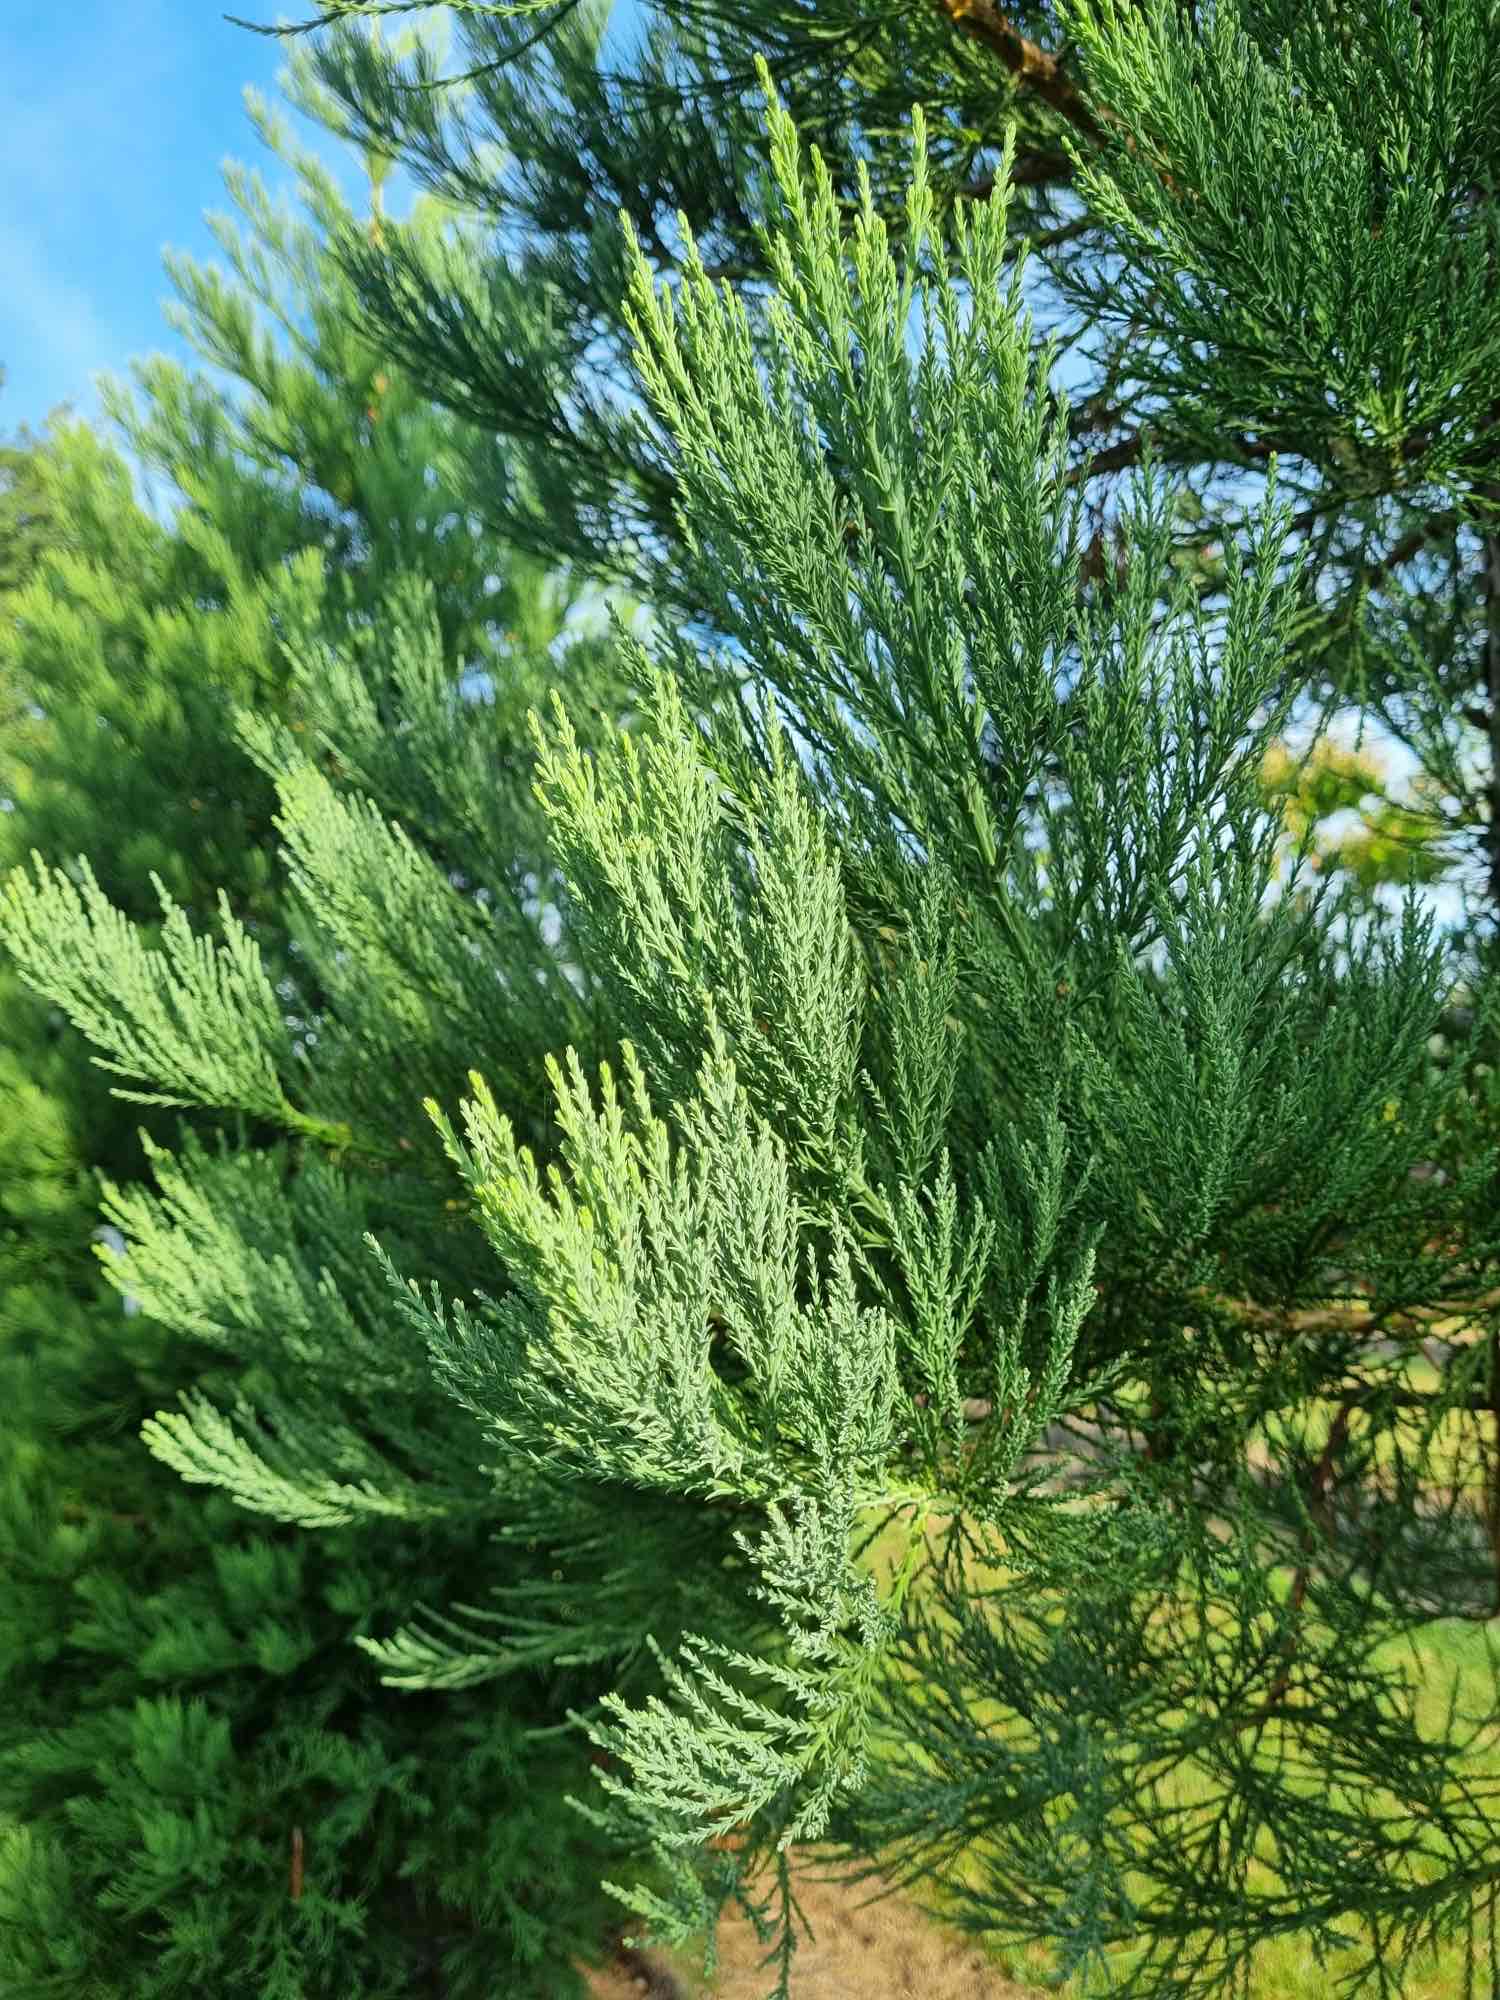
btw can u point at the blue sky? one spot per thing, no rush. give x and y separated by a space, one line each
114 118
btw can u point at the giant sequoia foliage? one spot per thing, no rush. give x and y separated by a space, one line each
961 1162
1256 229
203 1789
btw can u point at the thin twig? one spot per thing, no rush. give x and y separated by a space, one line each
1322 1479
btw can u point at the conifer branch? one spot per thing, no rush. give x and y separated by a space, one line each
1030 64
728 1292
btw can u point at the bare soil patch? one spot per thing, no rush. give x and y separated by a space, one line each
890 1950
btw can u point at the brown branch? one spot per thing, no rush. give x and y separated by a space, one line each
1332 1319
1414 1399
1118 456
1094 564
1408 546
1027 61
1041 167
1350 1319
1128 451
1040 72
653 1980
976 1409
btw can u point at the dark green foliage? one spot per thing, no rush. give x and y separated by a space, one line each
188 1724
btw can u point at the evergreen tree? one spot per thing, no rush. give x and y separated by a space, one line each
203 1789
924 1178
24 523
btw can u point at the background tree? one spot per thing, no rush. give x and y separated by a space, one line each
23 507
922 1153
203 1789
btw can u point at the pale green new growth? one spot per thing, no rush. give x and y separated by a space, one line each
200 1019
664 1337
684 898
277 1476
